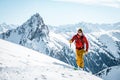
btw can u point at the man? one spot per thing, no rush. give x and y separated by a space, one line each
81 49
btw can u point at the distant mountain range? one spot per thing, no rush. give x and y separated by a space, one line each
5 27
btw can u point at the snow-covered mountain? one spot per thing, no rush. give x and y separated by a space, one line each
20 63
35 35
104 50
5 27
111 73
104 44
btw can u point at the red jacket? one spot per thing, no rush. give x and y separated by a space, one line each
80 41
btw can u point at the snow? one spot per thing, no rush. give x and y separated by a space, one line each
20 63
16 38
108 39
57 40
5 27
111 73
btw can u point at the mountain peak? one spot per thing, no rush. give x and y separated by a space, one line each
35 21
34 27
37 15
36 18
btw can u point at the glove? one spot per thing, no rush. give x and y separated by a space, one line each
70 41
86 52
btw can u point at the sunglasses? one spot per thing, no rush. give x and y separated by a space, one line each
79 32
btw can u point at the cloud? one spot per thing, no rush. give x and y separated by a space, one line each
109 3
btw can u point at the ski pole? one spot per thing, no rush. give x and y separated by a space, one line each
70 45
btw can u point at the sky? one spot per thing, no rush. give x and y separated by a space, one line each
60 12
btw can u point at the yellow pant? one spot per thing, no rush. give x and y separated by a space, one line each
80 57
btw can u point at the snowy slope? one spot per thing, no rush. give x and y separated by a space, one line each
108 39
20 63
111 73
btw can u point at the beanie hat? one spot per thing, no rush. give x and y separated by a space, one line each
80 30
